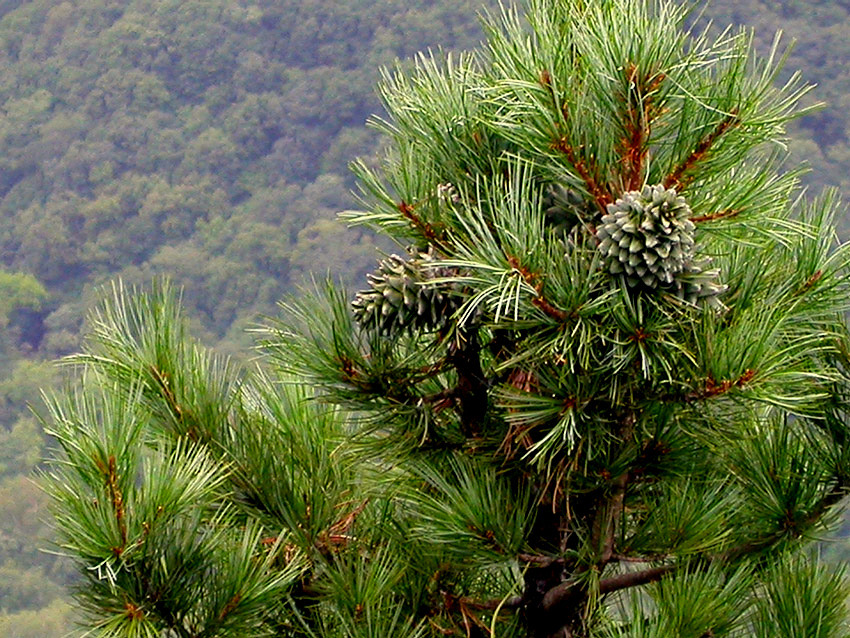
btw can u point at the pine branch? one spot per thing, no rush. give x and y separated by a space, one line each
514 602
535 281
589 174
542 561
472 388
638 125
426 229
657 558
563 601
615 510
116 500
679 178
605 522
724 214
714 388
566 594
796 529
634 579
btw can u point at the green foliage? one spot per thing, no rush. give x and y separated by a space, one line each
801 596
22 388
635 437
51 620
24 534
18 290
20 447
172 138
106 105
142 506
23 588
132 132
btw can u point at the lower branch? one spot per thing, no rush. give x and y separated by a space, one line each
634 579
561 599
514 602
830 499
606 526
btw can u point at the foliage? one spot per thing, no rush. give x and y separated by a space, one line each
20 447
581 445
18 290
172 490
51 620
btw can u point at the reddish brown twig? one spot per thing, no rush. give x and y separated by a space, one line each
811 281
714 388
724 214
133 612
682 175
116 499
232 604
418 223
640 111
589 174
535 281
338 533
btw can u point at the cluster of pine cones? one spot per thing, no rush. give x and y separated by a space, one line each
646 237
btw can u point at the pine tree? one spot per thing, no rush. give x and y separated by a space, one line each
601 390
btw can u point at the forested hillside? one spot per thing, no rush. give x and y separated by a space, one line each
821 51
207 140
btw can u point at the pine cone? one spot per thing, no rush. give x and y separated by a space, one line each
403 296
564 208
696 284
648 237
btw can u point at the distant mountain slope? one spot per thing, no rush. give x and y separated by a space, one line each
193 137
821 51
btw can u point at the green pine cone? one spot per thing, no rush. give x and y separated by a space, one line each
648 237
403 296
697 285
565 208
